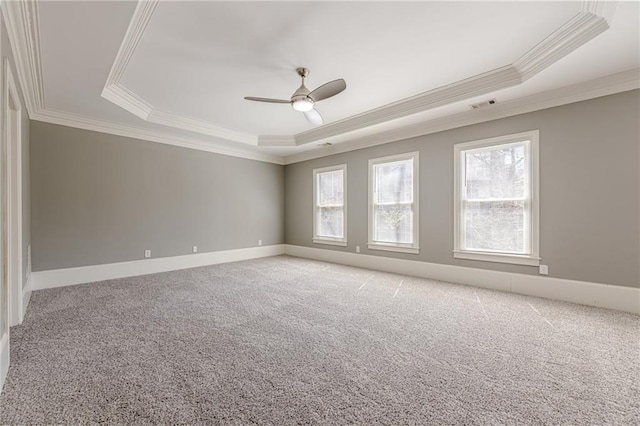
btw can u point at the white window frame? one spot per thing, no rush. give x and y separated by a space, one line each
317 239
413 248
533 196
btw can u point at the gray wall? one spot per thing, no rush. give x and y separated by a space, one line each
7 52
100 198
589 185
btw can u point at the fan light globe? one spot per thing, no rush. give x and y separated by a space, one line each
302 105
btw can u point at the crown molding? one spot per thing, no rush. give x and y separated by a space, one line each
115 92
23 27
276 140
491 81
102 126
573 34
22 21
591 21
200 126
602 8
616 83
137 26
128 100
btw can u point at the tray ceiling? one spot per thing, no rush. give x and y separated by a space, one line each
200 59
179 70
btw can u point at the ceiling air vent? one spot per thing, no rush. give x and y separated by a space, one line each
483 104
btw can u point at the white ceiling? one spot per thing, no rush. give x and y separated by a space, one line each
199 59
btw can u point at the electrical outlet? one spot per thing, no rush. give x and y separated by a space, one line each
357 249
259 242
147 253
544 270
195 249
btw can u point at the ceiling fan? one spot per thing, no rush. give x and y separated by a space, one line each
304 100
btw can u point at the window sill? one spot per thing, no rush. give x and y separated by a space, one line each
330 242
394 248
513 259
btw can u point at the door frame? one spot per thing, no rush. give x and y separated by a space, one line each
13 188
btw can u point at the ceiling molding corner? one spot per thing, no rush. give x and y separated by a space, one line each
23 27
126 99
137 26
602 8
115 92
574 33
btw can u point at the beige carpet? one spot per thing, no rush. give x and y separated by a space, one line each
291 341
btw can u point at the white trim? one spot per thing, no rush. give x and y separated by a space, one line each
204 144
512 259
329 242
531 138
582 292
413 248
12 138
4 312
276 140
23 27
85 274
137 26
603 8
4 358
394 247
318 239
115 92
603 86
200 126
581 28
127 100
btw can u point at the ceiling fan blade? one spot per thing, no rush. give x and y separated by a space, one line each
313 117
328 90
273 101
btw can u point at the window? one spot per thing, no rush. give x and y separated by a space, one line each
330 205
496 200
393 203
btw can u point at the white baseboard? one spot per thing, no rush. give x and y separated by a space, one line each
86 274
4 359
586 293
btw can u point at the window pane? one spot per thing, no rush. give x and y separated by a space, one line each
393 224
394 182
330 221
496 173
331 188
495 226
